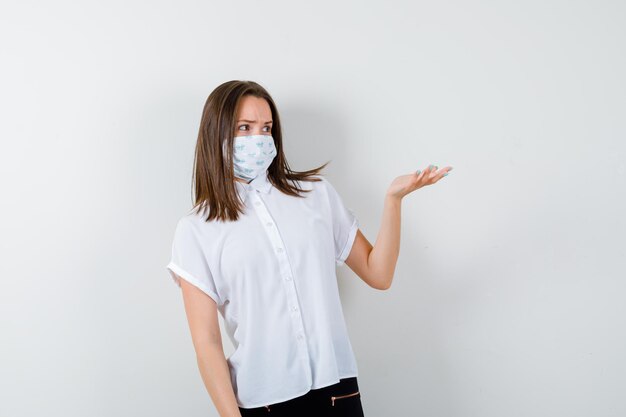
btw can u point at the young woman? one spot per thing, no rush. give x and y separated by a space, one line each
260 246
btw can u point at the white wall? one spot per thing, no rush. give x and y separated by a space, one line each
508 295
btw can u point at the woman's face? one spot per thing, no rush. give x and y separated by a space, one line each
254 117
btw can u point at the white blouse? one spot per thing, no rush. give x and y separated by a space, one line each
272 274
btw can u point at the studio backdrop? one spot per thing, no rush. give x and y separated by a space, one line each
508 296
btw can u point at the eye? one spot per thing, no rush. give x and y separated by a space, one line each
269 128
240 126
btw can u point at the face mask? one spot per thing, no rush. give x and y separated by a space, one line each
253 154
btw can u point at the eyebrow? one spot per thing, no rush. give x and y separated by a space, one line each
253 121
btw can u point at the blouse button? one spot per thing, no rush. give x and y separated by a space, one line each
268 223
288 278
294 308
300 336
257 203
279 250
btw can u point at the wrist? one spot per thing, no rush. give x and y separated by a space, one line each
392 198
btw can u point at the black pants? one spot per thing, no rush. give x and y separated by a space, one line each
342 399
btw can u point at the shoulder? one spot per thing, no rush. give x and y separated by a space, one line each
311 183
325 187
192 225
321 183
325 192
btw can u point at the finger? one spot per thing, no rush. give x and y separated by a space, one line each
425 175
433 175
442 173
422 175
445 171
426 170
433 171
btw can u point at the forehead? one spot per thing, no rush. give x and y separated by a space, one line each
253 108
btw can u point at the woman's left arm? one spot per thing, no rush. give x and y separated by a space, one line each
376 264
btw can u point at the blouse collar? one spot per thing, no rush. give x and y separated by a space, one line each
260 182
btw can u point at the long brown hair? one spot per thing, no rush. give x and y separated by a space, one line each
213 176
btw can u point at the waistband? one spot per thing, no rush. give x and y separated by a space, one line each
345 386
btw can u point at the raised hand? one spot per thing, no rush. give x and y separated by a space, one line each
405 184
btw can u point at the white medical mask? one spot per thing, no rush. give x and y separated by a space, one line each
252 155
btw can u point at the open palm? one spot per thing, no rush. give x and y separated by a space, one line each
405 184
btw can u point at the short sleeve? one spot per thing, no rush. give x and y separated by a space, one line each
345 224
189 261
